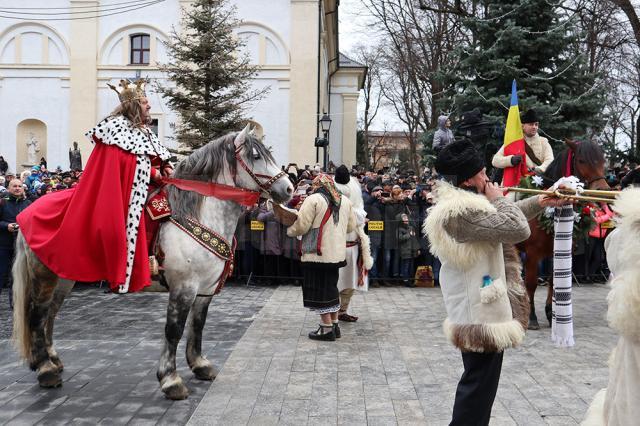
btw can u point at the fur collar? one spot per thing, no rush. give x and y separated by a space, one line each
451 203
119 131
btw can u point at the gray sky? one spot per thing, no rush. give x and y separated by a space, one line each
355 28
353 24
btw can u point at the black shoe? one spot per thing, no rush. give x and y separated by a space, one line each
375 284
327 337
336 330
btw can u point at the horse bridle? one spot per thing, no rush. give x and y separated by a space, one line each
264 186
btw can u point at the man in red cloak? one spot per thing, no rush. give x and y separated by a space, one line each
94 231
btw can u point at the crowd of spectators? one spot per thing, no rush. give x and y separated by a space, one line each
396 204
39 181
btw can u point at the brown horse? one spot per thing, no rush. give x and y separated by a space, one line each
587 164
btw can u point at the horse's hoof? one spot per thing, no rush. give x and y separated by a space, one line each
205 372
48 376
58 363
174 389
533 325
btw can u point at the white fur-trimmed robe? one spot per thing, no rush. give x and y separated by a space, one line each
144 144
349 274
619 403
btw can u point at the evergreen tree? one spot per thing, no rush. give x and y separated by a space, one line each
211 77
530 41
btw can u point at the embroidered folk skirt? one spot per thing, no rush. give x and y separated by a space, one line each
320 287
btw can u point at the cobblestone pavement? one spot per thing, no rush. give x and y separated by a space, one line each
110 345
394 367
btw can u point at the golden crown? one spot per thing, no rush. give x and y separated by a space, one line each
129 91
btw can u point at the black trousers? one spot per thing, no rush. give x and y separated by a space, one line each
477 388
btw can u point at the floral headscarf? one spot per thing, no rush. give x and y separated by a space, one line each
323 184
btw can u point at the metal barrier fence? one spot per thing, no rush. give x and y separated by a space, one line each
265 254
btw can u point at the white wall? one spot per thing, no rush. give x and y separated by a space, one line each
41 96
43 93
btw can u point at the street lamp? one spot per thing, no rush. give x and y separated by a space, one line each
325 123
325 126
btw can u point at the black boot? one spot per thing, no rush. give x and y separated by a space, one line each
336 330
322 334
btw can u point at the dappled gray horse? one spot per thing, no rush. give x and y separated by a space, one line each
195 242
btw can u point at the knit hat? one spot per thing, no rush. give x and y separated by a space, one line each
531 116
342 175
459 161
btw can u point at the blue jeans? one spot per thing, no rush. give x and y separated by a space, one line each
375 251
391 262
406 267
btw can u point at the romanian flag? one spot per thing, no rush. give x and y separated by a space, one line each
514 142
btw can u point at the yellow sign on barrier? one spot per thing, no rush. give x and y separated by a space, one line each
608 224
256 225
376 225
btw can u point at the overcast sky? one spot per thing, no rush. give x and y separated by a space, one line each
355 28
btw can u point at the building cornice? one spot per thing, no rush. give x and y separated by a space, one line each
34 67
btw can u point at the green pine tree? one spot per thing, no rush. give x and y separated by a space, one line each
211 79
530 41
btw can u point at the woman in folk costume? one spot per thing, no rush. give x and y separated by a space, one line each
358 256
472 229
619 403
324 220
94 231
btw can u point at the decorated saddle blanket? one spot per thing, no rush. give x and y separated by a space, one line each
158 205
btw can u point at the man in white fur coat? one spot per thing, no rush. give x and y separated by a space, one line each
619 403
472 229
354 275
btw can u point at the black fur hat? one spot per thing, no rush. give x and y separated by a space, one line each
531 116
459 161
342 175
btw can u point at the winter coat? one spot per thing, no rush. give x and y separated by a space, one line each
601 216
474 238
408 240
272 235
9 209
391 210
334 235
443 136
540 147
374 209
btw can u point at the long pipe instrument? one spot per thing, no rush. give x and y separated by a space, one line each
609 197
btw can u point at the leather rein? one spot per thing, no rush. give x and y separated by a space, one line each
243 196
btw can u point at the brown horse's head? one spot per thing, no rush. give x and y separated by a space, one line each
585 160
588 164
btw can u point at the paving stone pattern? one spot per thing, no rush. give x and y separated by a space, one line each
110 345
394 366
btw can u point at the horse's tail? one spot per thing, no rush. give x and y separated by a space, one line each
21 299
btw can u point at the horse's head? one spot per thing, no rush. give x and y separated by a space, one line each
588 164
256 169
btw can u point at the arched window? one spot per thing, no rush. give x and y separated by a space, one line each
140 49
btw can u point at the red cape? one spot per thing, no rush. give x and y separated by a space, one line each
80 233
